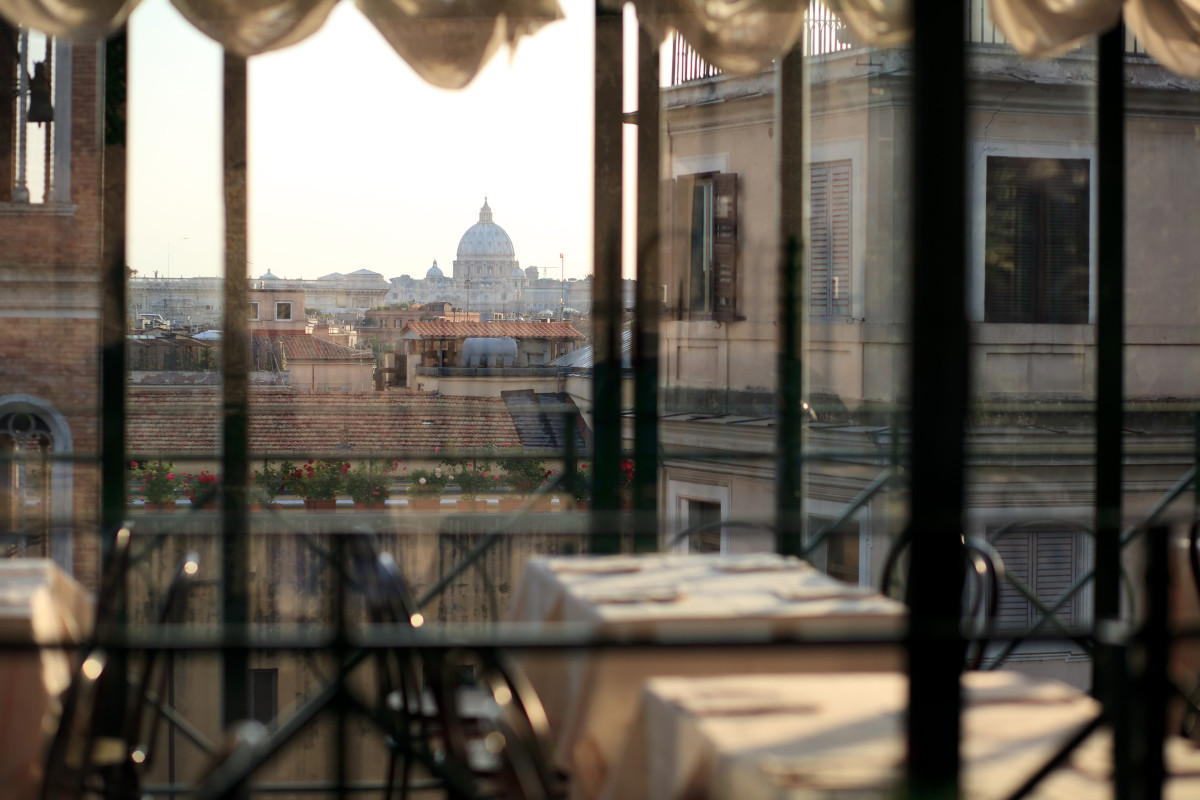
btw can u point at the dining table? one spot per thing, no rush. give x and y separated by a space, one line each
794 737
43 611
591 696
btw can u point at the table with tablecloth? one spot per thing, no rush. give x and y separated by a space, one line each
591 697
786 737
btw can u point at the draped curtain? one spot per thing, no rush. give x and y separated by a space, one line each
448 41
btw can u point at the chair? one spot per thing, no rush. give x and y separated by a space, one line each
98 749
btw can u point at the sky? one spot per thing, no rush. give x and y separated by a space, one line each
354 161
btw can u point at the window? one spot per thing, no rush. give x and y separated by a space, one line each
1036 250
706 219
840 548
830 233
699 514
254 311
264 695
1044 559
283 311
35 131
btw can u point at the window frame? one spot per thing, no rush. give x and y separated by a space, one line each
278 305
979 151
254 310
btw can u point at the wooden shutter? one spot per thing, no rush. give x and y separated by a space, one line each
1044 560
681 241
830 238
819 255
724 266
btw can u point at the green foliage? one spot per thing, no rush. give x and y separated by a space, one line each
474 476
322 479
156 480
270 481
427 483
370 481
201 489
522 474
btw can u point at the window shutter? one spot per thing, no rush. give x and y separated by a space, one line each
819 255
829 238
1044 560
681 239
724 266
839 234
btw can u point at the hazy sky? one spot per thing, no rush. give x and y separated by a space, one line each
355 162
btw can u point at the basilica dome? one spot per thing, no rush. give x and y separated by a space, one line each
434 271
485 240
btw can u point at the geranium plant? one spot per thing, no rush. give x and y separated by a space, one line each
522 474
322 479
201 488
370 482
270 481
474 476
157 480
427 482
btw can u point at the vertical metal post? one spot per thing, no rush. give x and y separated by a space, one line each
789 136
939 390
235 540
113 475
648 309
1148 690
606 316
1110 354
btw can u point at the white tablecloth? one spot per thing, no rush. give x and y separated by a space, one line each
39 604
591 697
785 737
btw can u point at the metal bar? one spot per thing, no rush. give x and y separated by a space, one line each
606 232
940 374
1058 759
114 61
789 138
1110 324
648 308
1149 700
235 537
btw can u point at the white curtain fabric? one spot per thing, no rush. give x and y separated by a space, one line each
69 19
445 41
448 41
1043 28
250 27
739 36
882 23
1170 30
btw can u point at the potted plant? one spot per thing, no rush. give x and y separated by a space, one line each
583 485
319 482
157 482
522 475
268 482
425 489
369 484
201 489
474 476
625 484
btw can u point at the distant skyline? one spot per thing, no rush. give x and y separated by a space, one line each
355 162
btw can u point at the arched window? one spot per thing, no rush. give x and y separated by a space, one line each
35 482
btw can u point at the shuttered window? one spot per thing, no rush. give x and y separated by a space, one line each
841 552
830 238
706 237
1037 240
264 695
1044 559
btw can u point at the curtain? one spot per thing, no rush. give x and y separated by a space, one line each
448 41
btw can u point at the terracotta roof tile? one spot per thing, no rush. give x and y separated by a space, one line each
187 422
304 347
517 330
